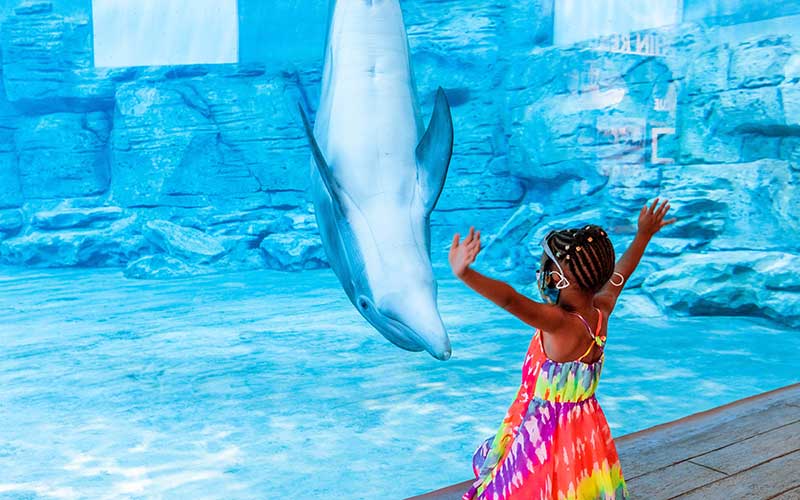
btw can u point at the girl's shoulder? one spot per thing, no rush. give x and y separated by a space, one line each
605 300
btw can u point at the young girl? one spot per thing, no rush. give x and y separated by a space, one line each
554 442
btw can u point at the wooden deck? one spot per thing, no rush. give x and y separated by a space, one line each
748 449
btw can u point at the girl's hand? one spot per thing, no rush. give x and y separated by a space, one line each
650 218
463 254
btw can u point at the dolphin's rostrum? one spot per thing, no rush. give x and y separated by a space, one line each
377 174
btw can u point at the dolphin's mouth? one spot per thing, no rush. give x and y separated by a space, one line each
402 327
369 310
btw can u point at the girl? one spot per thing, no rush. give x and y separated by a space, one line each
554 442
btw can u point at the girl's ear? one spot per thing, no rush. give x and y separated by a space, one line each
568 272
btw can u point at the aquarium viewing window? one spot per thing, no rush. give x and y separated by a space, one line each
577 20
164 32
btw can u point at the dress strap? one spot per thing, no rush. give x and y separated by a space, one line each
599 322
586 323
595 336
587 351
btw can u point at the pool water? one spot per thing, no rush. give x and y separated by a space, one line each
270 385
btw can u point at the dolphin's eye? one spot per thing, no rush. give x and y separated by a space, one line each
363 303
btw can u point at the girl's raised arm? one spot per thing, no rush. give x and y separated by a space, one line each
545 316
650 222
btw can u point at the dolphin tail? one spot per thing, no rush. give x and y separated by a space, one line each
434 152
331 184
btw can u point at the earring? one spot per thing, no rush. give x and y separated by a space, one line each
622 279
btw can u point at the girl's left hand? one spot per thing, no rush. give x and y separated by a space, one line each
463 254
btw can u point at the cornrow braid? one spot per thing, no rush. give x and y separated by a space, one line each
588 253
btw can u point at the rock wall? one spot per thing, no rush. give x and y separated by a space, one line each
171 171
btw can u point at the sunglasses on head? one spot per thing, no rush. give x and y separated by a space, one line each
563 282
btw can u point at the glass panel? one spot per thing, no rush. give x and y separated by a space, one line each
164 32
577 20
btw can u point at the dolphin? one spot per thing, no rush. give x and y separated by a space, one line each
377 173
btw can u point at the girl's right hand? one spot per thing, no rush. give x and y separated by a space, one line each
463 254
651 218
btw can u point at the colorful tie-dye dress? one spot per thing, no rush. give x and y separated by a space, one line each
554 442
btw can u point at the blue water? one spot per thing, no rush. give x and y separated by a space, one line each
248 384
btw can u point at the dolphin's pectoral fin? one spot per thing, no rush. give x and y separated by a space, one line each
434 152
331 184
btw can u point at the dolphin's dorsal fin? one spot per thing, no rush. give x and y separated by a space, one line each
331 184
434 151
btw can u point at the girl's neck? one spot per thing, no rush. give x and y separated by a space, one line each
582 302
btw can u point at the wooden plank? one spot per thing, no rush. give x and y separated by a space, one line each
453 492
666 444
763 481
754 450
793 494
663 448
675 457
670 481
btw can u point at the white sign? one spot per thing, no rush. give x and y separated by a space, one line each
639 43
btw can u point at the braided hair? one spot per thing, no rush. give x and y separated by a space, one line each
588 253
